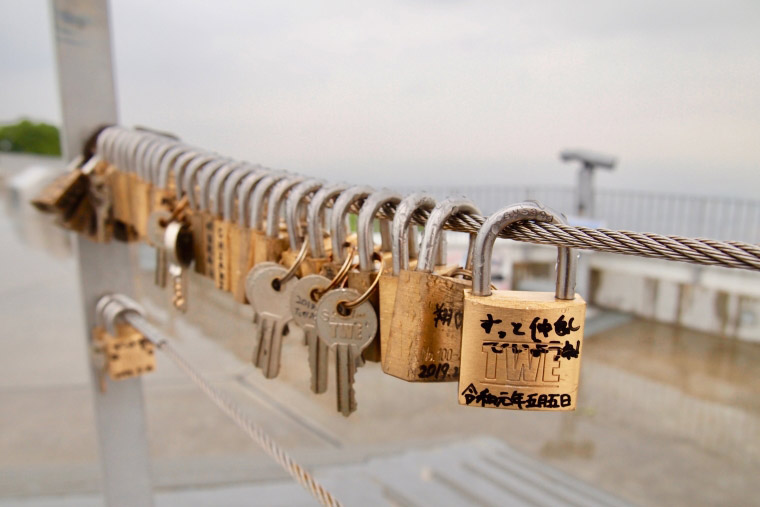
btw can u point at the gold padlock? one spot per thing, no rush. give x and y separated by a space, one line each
241 235
294 219
271 241
186 171
127 353
224 229
261 247
320 260
521 350
426 325
364 278
403 243
143 189
209 173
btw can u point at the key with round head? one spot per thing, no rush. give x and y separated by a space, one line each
303 307
349 332
270 299
155 235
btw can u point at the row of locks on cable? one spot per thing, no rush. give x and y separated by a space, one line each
281 243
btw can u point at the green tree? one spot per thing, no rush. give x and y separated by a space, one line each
27 137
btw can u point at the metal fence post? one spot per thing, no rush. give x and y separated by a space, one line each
88 100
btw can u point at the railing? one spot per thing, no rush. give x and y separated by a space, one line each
720 218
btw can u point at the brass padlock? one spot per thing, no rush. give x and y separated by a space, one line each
186 169
161 197
403 243
426 326
294 219
362 279
127 353
272 241
110 142
352 197
206 177
241 235
320 243
64 192
223 229
217 238
521 350
259 197
143 189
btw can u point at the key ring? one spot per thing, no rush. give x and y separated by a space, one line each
317 293
176 212
292 271
349 305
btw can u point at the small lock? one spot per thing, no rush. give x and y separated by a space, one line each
262 246
363 279
273 242
127 353
241 236
402 245
320 244
521 350
295 211
426 326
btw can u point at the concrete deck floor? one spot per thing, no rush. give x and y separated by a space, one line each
665 417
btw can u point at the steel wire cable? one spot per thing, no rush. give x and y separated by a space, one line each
300 474
730 254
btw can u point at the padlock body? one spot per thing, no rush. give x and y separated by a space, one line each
221 254
208 244
141 204
197 228
241 260
425 335
128 354
266 248
387 291
521 351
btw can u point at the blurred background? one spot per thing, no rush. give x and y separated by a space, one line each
453 98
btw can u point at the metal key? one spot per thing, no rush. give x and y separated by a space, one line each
270 300
178 243
303 307
349 332
155 234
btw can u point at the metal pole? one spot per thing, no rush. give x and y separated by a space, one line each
586 191
88 100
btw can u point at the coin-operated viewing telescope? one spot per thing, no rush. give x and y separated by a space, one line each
589 161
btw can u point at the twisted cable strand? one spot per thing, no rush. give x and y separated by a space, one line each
301 475
731 254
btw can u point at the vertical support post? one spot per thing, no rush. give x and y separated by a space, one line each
88 100
586 191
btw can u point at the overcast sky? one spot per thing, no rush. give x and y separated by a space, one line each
431 91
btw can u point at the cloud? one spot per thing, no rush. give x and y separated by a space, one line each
449 92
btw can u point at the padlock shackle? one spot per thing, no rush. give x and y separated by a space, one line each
186 174
143 147
504 218
274 204
314 218
167 165
431 240
244 192
338 217
402 222
157 158
293 210
231 185
258 198
215 202
365 225
205 177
